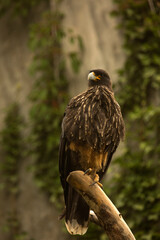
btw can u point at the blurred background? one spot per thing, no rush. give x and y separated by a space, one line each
47 48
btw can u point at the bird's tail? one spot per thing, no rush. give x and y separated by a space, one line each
77 213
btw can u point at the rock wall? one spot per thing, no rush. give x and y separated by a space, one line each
37 217
92 21
15 58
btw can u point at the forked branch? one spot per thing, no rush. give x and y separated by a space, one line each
108 215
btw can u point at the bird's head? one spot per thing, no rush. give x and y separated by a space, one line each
99 77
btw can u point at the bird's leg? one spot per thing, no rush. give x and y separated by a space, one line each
94 176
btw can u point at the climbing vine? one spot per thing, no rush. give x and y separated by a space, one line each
136 187
20 8
49 96
11 149
12 155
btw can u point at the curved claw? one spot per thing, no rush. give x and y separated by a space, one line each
99 184
94 176
88 171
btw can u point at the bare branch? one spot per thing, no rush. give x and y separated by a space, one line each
93 218
108 215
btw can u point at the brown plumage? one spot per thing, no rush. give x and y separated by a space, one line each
91 131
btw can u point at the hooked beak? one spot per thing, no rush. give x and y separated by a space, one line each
91 76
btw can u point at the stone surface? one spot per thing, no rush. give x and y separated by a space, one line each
37 217
92 21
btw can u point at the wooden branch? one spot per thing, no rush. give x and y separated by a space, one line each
108 215
93 218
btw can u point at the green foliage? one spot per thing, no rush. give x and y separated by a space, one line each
18 7
141 31
136 188
49 97
11 147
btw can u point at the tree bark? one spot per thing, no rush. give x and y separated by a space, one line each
108 215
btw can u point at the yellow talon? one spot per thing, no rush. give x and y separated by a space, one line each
88 171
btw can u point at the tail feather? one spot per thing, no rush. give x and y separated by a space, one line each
75 228
77 213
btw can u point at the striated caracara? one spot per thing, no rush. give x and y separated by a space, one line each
91 131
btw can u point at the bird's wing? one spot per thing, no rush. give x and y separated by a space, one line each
62 159
77 211
94 117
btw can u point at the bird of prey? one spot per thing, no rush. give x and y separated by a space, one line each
92 128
